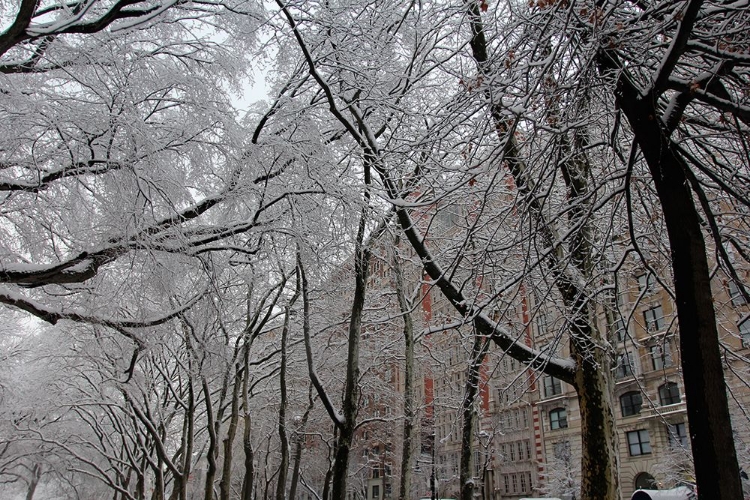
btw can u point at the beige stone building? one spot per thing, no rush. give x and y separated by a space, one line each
527 439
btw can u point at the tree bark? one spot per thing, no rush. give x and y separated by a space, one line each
226 471
407 453
351 390
468 410
247 442
208 494
715 458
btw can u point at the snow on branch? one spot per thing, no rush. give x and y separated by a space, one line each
52 315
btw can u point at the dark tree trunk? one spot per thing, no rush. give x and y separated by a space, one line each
247 443
351 390
208 494
716 469
226 473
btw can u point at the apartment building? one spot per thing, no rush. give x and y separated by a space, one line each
527 431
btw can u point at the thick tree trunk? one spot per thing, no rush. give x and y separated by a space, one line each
594 387
468 410
716 469
158 493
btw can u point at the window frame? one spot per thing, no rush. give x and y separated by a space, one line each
647 281
661 355
625 366
552 386
637 445
669 394
653 319
620 329
631 403
678 437
558 418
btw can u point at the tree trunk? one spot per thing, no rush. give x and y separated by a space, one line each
468 410
226 471
594 387
283 440
36 473
158 493
247 441
351 390
407 453
208 494
716 470
299 440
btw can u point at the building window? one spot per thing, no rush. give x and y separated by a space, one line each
631 403
736 294
645 481
620 330
376 472
542 322
558 419
677 435
512 452
520 450
744 329
624 366
506 480
646 282
661 355
375 491
552 386
639 442
514 481
523 482
654 319
669 394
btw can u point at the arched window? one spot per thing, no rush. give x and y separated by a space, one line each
630 403
558 419
669 394
645 481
